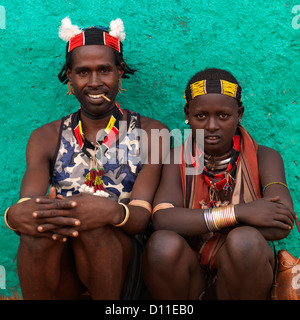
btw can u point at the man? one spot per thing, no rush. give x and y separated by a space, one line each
82 236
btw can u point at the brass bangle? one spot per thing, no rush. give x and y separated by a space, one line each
162 206
23 199
127 213
6 222
141 203
6 214
224 217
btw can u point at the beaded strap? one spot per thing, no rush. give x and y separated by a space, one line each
271 183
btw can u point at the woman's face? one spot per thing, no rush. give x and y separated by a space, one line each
93 74
218 115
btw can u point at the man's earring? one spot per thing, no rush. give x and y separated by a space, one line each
71 90
120 86
186 121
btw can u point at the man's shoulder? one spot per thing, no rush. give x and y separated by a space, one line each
47 131
150 123
43 141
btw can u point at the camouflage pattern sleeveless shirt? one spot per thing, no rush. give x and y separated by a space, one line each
122 160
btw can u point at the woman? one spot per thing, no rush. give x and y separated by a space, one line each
213 227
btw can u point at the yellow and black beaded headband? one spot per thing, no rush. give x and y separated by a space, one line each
203 87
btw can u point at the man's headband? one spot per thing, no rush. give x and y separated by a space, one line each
77 37
227 88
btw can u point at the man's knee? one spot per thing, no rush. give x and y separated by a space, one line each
163 248
105 240
97 237
38 246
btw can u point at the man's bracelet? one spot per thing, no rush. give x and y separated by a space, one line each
127 213
6 222
23 199
6 213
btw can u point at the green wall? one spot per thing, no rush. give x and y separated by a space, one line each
167 41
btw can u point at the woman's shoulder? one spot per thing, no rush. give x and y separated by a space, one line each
264 151
269 159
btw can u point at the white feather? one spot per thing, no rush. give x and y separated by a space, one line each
117 29
67 30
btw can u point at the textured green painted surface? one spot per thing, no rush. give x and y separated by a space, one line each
167 41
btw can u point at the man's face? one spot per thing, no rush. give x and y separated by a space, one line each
93 74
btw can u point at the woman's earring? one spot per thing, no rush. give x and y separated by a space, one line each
71 90
240 121
186 121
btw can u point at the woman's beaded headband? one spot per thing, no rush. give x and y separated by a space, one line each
203 87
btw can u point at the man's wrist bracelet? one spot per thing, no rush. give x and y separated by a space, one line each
6 214
23 199
6 222
127 213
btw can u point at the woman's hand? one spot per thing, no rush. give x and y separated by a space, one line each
266 213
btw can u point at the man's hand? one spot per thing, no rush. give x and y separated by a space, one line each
26 219
54 216
65 217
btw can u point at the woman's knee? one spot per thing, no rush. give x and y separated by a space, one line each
164 248
245 246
